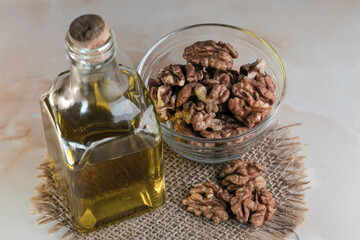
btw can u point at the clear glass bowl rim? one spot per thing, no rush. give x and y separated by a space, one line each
261 40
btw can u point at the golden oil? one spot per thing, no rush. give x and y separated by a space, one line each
107 171
103 141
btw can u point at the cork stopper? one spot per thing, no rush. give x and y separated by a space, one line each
88 31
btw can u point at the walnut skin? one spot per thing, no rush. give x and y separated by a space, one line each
266 81
267 199
237 201
227 78
221 129
210 200
239 173
218 94
210 83
164 101
185 93
154 83
254 94
182 127
172 75
201 93
258 205
230 49
246 114
231 126
211 54
202 120
252 69
190 108
211 134
193 107
193 73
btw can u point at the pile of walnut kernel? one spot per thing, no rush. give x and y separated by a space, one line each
245 195
207 98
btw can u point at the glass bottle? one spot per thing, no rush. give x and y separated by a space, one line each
103 141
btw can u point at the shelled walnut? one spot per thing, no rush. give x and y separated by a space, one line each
193 73
238 174
252 200
254 95
164 99
185 93
256 206
211 54
210 200
245 195
172 75
207 79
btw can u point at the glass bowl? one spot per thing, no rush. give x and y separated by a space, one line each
169 49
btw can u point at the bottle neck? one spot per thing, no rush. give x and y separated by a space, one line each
84 76
88 66
89 60
94 73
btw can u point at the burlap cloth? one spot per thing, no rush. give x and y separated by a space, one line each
278 151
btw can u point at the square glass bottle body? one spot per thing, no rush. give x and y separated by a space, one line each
104 146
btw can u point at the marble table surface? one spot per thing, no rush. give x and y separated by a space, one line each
318 42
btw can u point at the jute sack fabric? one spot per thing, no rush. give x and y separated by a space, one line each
284 172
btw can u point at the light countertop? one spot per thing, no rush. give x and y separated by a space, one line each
318 42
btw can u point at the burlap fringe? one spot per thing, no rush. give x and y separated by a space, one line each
277 144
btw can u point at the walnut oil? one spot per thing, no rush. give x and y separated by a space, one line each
103 140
